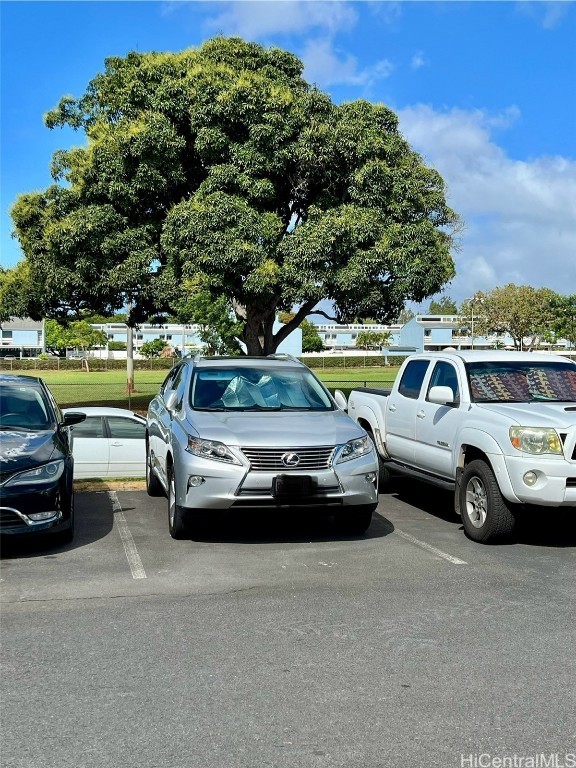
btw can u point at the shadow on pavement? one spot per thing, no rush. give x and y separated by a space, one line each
536 526
94 520
290 526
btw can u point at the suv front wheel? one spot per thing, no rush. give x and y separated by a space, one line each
176 524
153 485
354 521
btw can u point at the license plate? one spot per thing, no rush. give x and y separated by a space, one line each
290 485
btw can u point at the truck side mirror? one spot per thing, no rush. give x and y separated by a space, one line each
441 395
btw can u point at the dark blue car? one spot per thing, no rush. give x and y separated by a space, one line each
36 464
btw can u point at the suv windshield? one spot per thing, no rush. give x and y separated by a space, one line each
23 407
522 382
261 389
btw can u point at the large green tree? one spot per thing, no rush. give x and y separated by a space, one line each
78 334
223 168
372 339
523 312
444 305
563 323
219 330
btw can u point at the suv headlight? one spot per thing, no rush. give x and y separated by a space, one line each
211 449
536 440
45 474
354 449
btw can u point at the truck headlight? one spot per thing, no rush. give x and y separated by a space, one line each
47 473
211 449
536 440
355 448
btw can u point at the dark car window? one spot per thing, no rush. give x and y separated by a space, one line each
412 378
25 407
168 383
178 384
126 429
93 426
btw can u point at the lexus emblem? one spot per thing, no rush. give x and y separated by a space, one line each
290 459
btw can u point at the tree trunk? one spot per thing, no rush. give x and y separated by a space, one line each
257 335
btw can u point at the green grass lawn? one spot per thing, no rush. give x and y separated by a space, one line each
72 388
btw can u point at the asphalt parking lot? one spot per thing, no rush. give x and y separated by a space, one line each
277 642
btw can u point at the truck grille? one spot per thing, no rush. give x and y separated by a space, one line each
280 459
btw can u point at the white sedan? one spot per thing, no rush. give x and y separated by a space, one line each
109 443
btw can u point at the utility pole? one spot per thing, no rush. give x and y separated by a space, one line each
130 388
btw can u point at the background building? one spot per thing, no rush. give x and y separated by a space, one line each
184 339
423 333
21 338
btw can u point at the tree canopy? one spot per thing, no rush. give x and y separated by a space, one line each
564 318
221 168
525 313
372 339
443 306
153 348
78 334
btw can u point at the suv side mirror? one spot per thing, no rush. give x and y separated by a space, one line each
341 401
171 401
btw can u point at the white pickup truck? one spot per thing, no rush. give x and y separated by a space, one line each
497 428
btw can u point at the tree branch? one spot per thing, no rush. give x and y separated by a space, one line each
324 314
288 327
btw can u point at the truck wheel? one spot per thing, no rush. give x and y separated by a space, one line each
383 473
354 521
176 524
486 515
153 486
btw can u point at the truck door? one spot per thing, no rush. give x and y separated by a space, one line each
437 425
401 408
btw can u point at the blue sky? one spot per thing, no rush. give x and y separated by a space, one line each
485 91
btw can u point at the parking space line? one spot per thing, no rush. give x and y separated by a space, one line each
430 548
132 555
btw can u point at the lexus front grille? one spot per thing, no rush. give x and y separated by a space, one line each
289 459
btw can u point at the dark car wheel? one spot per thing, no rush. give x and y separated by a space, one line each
153 485
67 535
486 515
176 523
354 521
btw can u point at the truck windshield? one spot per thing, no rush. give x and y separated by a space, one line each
257 389
521 382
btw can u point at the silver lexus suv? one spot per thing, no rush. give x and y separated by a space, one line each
249 432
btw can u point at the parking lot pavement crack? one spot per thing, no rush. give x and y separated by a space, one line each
139 595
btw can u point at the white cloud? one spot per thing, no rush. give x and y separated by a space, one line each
418 61
520 215
547 14
325 66
255 20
